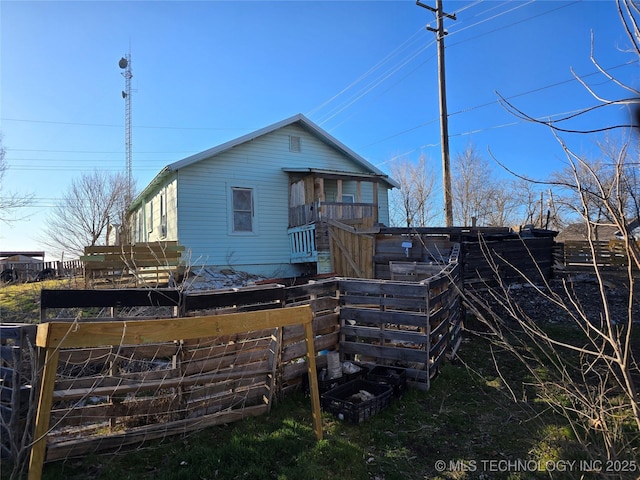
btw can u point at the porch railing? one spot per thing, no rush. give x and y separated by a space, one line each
302 241
313 212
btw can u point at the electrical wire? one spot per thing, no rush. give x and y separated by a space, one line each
364 75
509 25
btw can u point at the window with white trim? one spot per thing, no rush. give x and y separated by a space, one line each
140 236
242 201
163 213
150 216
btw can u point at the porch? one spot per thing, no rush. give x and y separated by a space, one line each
317 197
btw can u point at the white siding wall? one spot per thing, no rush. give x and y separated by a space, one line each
204 200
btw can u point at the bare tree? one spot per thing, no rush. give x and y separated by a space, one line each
10 202
473 188
412 203
81 218
537 205
592 376
504 205
587 187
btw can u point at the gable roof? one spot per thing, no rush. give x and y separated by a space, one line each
298 119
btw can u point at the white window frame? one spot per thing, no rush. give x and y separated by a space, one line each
350 196
163 213
232 211
140 236
150 216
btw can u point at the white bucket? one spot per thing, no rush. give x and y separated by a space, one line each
333 365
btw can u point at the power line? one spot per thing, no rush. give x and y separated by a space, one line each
496 102
372 85
364 75
511 24
393 70
159 127
519 5
120 152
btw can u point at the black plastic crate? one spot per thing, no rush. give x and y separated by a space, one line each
394 376
342 402
328 384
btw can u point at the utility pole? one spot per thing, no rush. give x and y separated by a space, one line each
444 126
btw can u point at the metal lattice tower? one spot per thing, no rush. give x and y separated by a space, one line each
125 65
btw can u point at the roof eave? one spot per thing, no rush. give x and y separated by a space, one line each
157 180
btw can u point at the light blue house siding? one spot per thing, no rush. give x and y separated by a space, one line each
199 193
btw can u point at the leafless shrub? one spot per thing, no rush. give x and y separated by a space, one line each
590 375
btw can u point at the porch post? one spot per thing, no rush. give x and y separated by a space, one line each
375 202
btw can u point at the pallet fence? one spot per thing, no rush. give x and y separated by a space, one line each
580 255
144 264
17 347
56 337
115 390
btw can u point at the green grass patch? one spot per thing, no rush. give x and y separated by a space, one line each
20 302
467 416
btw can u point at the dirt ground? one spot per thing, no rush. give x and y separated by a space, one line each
580 293
575 298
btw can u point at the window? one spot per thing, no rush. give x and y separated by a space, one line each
242 199
150 217
140 236
294 143
348 198
163 213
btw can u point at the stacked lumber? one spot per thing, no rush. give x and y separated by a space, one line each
141 264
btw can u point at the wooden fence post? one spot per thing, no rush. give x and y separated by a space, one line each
39 448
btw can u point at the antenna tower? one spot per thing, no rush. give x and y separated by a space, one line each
125 66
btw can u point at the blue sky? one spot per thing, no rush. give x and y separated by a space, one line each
205 72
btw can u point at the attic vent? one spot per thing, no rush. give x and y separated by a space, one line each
294 143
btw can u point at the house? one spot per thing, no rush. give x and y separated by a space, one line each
258 203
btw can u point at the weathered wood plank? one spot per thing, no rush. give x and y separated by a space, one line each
377 317
74 448
65 335
235 297
159 247
297 350
418 338
384 352
55 335
391 302
381 287
323 288
323 322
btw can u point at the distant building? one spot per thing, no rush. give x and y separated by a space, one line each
20 265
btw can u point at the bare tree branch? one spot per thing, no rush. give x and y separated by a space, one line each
10 202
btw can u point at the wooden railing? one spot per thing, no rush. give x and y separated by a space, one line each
17 348
302 244
313 212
